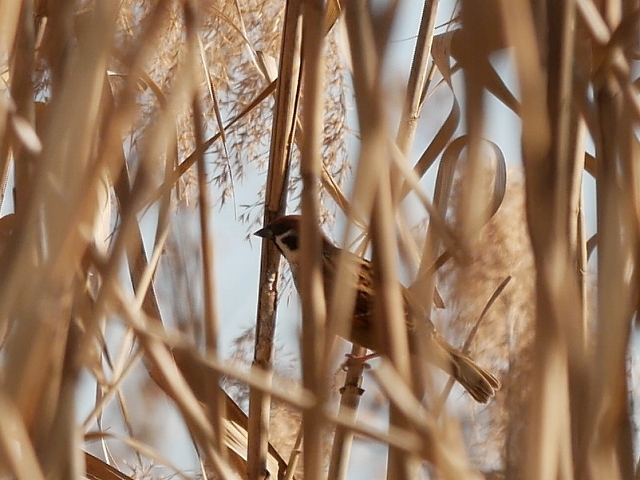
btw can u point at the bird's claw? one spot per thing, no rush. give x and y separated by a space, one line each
354 361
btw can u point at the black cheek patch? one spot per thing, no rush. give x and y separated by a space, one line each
290 241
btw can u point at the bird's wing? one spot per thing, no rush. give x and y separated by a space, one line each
415 312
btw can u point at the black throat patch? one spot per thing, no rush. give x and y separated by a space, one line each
291 241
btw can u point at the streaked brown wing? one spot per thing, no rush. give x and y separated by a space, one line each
414 311
363 331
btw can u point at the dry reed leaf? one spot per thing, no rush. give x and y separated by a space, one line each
452 45
237 441
138 446
449 238
99 470
214 98
440 141
333 10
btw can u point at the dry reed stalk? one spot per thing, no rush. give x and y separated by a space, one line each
275 203
48 389
65 399
390 306
544 437
376 198
564 41
211 384
213 393
22 93
311 270
350 395
417 78
611 453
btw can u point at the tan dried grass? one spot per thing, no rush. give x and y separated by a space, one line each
125 94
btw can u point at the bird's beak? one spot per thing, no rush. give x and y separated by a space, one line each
264 233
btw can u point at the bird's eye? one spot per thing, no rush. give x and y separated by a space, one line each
290 241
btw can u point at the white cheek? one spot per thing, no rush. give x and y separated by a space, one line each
292 260
292 257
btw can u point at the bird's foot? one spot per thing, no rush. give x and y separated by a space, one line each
354 361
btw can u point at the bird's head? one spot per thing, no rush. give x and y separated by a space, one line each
285 233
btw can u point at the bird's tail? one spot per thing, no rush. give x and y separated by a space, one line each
480 384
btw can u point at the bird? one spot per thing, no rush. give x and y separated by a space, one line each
284 232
